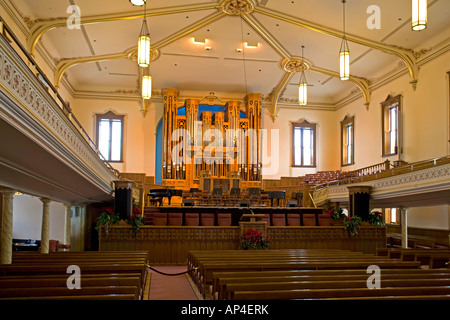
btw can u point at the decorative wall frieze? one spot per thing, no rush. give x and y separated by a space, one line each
31 96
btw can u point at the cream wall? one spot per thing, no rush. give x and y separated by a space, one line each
425 116
27 218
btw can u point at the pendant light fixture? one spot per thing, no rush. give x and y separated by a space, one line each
138 2
344 54
143 58
419 15
146 84
302 86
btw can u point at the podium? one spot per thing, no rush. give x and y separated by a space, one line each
252 221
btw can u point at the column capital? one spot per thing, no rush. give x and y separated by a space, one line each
45 200
7 191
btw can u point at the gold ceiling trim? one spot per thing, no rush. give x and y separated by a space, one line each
292 64
64 64
406 55
42 26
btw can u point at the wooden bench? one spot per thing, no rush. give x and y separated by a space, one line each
433 258
113 275
223 280
265 260
64 291
443 292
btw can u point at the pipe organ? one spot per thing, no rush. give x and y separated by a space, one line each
211 149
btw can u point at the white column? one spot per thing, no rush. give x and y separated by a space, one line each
45 231
68 224
7 226
404 222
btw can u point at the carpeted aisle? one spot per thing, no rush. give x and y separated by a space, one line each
164 287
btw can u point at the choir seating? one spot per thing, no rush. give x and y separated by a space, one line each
293 219
191 219
224 219
278 219
207 219
175 219
309 219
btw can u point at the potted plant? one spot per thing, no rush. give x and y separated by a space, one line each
106 219
352 224
376 219
135 219
252 239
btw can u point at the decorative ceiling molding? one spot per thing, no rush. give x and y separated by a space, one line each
40 27
237 7
407 55
64 64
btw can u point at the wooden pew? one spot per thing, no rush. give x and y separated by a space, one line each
433 258
443 291
100 271
203 275
64 291
223 281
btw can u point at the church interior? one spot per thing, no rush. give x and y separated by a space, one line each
252 149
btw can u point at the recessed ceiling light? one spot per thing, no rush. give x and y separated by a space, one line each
250 44
198 40
138 2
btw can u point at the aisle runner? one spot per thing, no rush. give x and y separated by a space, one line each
171 287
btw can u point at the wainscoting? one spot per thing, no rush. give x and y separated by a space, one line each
168 245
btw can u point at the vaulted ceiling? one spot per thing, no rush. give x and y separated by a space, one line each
99 57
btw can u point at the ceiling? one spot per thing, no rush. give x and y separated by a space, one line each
96 54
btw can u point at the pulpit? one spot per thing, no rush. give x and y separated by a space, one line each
252 221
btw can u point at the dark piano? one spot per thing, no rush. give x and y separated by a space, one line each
279 195
157 195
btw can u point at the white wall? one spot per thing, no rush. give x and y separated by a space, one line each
432 217
27 218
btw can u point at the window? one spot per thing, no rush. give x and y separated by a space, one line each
347 141
109 136
304 144
391 216
391 125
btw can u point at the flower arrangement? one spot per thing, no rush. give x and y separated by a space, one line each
351 225
107 218
135 219
376 218
252 239
336 214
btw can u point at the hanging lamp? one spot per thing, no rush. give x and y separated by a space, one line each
344 54
419 15
146 84
138 2
302 86
143 58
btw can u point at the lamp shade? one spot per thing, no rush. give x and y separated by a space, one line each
344 61
146 87
143 51
143 58
419 15
302 93
138 2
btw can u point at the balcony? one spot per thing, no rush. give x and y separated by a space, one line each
44 151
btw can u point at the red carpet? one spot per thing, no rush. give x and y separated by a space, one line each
164 287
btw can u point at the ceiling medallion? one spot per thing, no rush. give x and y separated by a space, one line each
295 65
237 7
154 55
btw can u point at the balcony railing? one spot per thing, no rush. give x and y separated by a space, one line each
40 101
